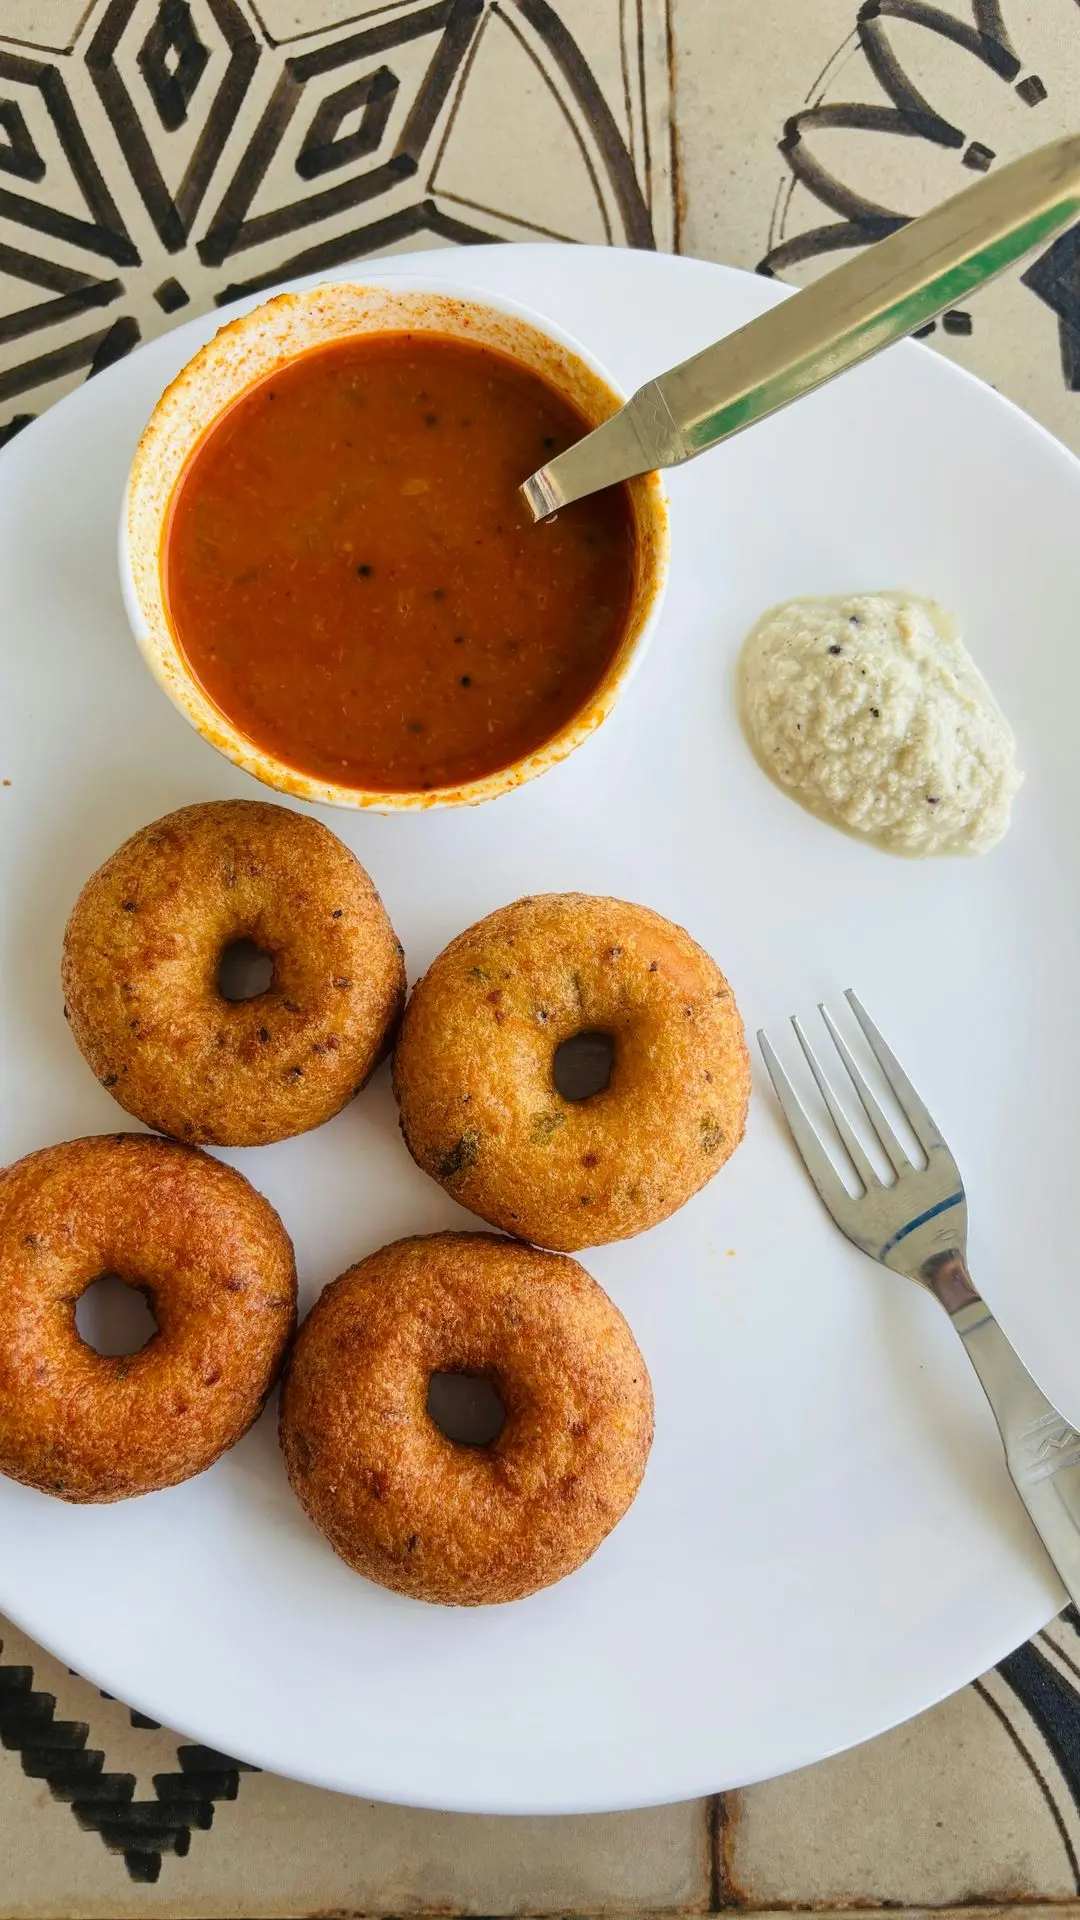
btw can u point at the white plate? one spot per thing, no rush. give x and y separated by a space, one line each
826 1540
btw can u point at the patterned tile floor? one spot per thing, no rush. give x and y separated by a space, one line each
103 1814
156 155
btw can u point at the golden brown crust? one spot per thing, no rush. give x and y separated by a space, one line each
217 1265
140 974
473 1070
412 1510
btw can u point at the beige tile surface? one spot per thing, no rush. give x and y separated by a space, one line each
975 1802
937 1812
49 24
986 1910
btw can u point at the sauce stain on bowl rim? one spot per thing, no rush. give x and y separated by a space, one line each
261 343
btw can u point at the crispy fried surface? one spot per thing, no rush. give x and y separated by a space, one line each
218 1268
473 1070
462 1525
140 973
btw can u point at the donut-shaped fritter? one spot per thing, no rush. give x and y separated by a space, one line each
142 955
216 1265
430 1517
473 1070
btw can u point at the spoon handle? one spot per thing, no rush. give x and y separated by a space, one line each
883 294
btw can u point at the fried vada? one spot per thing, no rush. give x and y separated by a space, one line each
437 1519
215 1264
142 959
474 1070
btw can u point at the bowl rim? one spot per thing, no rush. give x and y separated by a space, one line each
141 578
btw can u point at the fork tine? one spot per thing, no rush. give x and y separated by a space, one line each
921 1122
870 1106
818 1164
862 1165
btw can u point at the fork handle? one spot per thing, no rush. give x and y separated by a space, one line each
1042 1449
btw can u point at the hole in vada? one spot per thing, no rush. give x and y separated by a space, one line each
582 1065
115 1318
244 971
466 1408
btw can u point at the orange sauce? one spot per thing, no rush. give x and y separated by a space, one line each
355 583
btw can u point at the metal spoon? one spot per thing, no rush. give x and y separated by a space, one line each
885 293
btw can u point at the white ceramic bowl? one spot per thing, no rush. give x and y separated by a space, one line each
258 344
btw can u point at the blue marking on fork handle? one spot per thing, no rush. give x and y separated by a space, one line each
954 1200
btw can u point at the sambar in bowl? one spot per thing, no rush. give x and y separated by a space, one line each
329 568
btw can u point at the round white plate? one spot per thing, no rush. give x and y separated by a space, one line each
826 1540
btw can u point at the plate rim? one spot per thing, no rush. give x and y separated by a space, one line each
382 269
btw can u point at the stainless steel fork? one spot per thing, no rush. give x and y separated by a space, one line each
917 1224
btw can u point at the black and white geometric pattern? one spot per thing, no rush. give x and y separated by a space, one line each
178 153
61 1752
